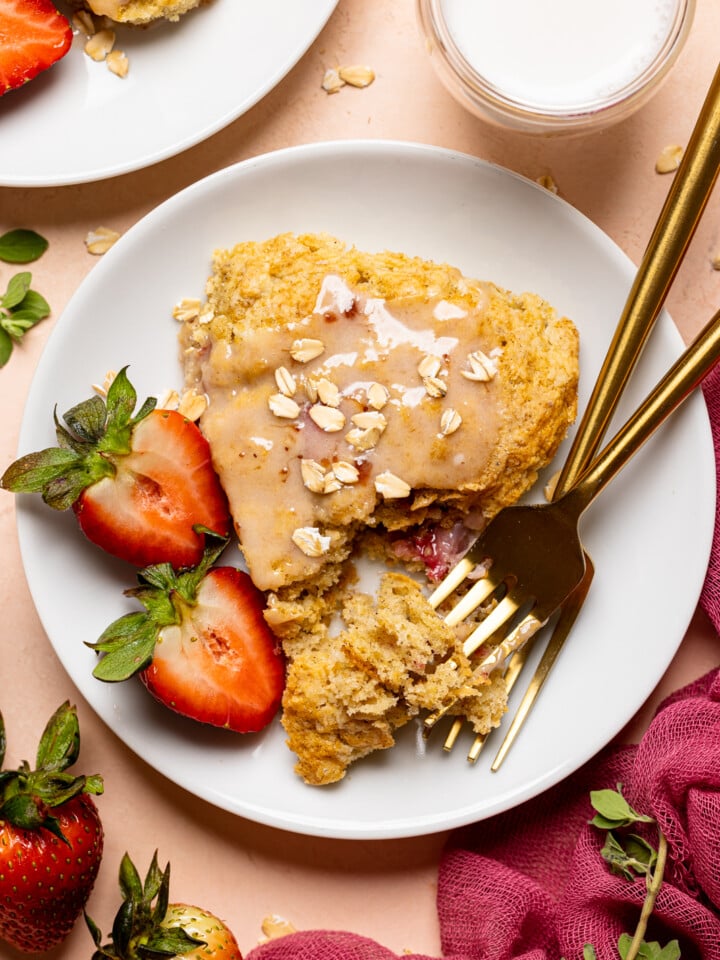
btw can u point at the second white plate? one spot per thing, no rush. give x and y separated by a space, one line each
657 516
77 122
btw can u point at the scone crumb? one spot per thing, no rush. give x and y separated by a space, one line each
715 261
669 158
100 240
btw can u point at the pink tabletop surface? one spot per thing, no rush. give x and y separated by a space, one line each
241 870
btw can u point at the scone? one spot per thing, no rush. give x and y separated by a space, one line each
370 403
139 11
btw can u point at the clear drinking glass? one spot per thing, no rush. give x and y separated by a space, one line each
554 66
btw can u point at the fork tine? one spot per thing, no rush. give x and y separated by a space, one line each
476 595
497 618
514 640
451 582
514 668
568 614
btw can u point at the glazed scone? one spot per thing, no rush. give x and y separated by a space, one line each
369 403
349 389
140 11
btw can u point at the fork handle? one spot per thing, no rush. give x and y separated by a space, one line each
683 207
681 379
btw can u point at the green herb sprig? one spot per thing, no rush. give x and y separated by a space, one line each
630 855
21 307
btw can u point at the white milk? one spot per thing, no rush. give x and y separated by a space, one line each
559 53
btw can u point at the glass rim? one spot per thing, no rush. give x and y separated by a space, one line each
482 92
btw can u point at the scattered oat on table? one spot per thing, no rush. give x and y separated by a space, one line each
274 927
669 158
547 181
100 240
335 78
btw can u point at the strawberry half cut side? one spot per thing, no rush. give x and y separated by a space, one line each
33 36
140 484
201 647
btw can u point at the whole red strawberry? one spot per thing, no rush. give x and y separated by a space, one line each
33 36
202 647
139 484
51 839
147 925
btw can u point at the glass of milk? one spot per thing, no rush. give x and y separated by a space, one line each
554 66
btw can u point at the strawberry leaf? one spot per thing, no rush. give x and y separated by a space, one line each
130 884
59 745
3 740
32 472
22 246
85 420
172 942
128 645
93 431
23 811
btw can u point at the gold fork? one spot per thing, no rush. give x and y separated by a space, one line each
534 552
676 224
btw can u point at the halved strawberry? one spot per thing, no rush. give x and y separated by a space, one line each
202 647
139 485
33 36
147 925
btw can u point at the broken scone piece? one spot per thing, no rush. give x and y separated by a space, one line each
138 11
377 404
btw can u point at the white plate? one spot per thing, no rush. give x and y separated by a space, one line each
77 122
655 519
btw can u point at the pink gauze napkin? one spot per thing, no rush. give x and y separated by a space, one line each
531 884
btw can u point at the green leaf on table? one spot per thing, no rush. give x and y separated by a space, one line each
6 347
22 246
16 290
20 309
